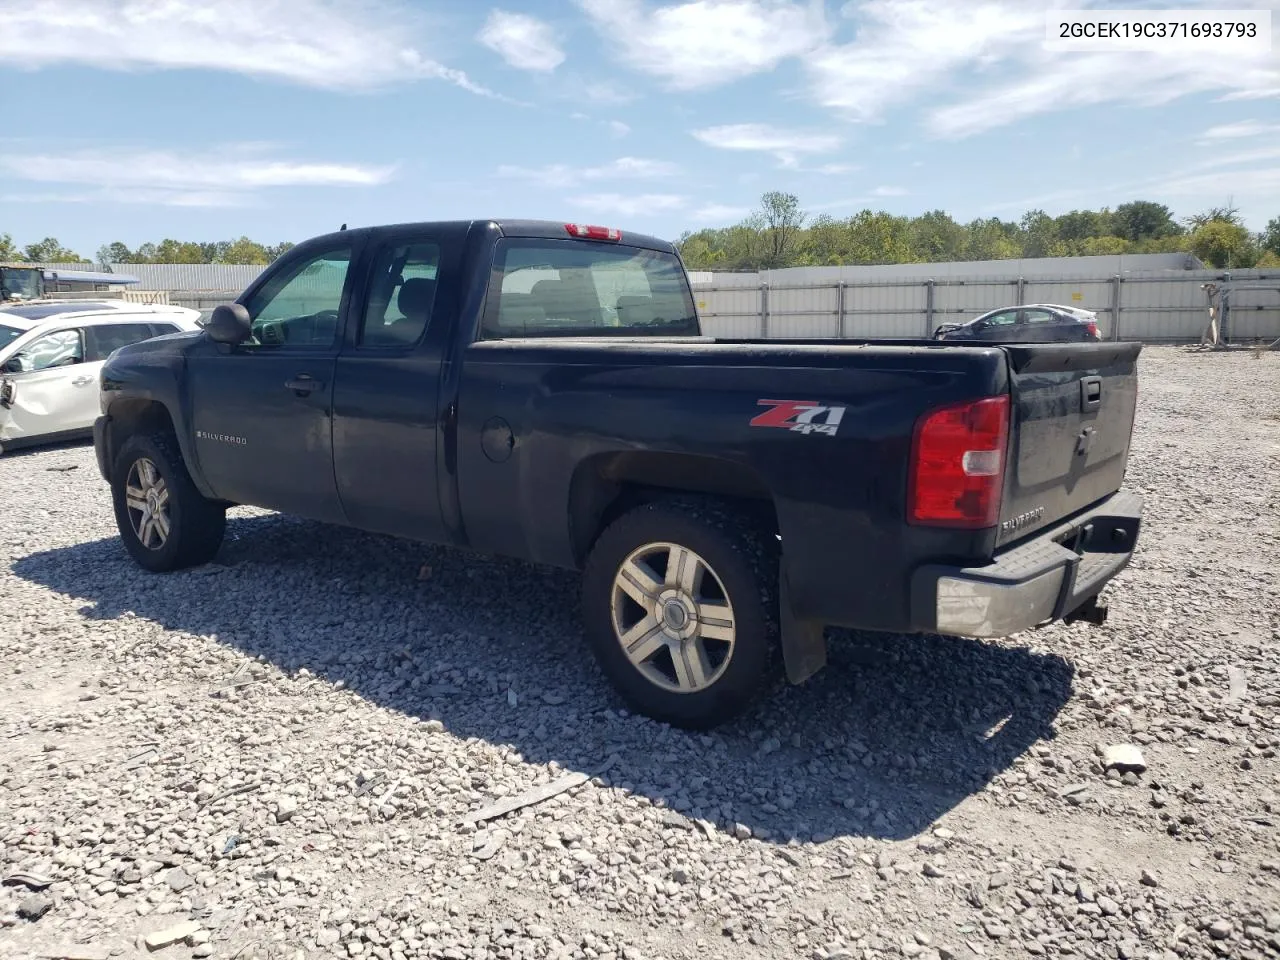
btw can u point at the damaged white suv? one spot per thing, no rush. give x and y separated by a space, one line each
51 352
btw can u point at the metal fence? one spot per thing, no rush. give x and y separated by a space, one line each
1160 308
1170 307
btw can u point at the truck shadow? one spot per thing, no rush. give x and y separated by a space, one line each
890 737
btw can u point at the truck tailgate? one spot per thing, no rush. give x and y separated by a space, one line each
1072 417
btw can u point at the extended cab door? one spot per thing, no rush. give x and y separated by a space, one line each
261 411
386 436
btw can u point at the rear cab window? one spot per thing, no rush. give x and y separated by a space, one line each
572 288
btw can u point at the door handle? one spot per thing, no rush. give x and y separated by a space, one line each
81 381
1090 393
303 384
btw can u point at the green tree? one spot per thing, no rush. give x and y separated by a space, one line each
278 250
1270 240
783 221
245 250
1223 244
1080 225
1100 246
1228 214
992 239
1143 219
115 252
824 243
8 249
1040 235
879 238
49 250
936 237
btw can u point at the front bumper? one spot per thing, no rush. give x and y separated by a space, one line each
1042 579
101 437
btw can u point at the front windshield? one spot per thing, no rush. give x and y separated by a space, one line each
20 283
8 335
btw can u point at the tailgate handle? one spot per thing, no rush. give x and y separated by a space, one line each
1090 393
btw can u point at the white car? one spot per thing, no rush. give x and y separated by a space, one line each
51 353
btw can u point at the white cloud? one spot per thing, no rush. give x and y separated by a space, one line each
618 128
229 176
984 64
706 43
627 204
333 44
717 214
525 42
1236 131
562 175
786 145
906 47
889 192
836 169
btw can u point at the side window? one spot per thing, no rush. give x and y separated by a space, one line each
300 306
402 293
160 329
59 349
1001 319
571 288
1038 316
107 337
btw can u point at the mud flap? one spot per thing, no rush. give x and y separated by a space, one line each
804 647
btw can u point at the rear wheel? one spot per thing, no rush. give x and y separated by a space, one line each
680 610
163 520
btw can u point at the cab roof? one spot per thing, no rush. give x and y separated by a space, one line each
546 229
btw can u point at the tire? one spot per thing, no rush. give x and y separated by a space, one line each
194 525
686 667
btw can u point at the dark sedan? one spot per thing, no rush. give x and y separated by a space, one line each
1032 323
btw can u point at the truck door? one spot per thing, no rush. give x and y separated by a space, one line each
385 406
261 412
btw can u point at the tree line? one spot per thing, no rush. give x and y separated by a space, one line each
780 234
49 250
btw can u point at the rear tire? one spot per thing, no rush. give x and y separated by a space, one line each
680 610
163 520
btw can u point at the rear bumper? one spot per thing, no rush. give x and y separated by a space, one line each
100 450
1040 580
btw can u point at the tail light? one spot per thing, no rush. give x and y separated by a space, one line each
587 232
958 463
1092 327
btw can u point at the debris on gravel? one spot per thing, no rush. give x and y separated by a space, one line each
310 748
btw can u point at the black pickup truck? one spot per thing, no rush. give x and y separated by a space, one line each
543 391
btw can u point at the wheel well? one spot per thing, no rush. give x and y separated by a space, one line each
129 417
606 486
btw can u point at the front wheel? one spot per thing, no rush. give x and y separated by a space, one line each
163 520
680 610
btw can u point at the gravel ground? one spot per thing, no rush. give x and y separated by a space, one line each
276 755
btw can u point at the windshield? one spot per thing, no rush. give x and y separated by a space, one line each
8 335
20 283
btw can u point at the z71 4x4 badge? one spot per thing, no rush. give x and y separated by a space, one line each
800 416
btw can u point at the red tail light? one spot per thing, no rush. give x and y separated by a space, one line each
1092 327
958 463
592 233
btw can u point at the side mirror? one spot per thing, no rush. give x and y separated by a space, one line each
229 323
12 365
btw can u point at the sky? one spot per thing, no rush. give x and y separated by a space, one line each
136 120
